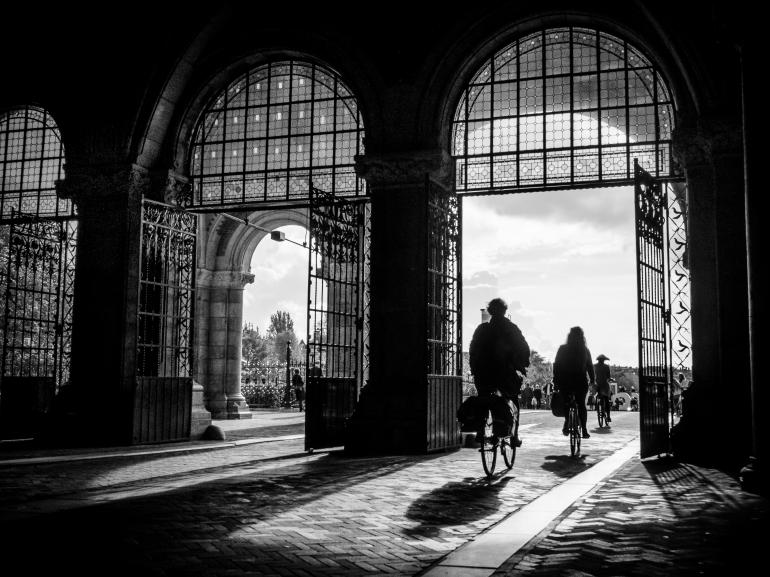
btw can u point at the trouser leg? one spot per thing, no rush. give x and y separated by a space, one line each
582 412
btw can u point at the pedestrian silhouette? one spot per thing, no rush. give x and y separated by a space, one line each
299 388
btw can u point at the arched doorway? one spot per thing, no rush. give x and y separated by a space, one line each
263 150
573 107
38 232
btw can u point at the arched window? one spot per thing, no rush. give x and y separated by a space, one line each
272 132
562 107
31 161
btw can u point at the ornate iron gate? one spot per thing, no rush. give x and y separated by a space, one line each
37 325
444 242
662 280
335 351
163 394
679 287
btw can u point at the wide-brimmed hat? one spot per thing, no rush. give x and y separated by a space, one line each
602 358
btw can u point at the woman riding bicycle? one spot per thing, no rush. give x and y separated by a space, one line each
572 373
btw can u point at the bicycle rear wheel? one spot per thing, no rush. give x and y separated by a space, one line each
488 449
600 414
574 432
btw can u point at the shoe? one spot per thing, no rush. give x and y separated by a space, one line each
586 435
515 441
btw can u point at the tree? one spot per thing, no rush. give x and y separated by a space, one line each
539 371
280 322
280 332
254 351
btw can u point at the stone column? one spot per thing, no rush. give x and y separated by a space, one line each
710 150
391 414
108 200
221 301
754 475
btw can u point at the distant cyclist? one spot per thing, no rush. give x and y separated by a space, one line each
572 373
498 353
603 378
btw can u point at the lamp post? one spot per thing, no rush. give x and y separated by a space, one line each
287 395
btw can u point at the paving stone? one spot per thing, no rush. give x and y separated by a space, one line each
272 509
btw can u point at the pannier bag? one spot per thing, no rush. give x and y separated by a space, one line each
502 416
558 406
471 413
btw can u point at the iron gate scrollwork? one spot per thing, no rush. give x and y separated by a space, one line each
664 303
679 284
444 336
37 326
163 396
336 303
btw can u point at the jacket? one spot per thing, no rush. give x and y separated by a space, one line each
572 369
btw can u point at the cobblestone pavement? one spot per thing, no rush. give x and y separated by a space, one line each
655 517
272 509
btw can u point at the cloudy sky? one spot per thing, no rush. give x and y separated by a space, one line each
559 258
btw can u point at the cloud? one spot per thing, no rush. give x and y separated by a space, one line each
480 279
605 208
280 282
556 267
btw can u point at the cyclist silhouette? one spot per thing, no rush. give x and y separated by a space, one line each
499 356
572 372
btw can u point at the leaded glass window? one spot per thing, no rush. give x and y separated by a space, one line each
273 132
562 107
31 161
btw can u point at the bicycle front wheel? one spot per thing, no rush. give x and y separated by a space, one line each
488 448
508 450
574 432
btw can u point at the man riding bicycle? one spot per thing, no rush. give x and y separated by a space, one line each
499 356
603 378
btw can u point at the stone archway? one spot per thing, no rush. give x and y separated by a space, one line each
226 248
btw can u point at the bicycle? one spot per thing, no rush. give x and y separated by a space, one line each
573 425
601 413
490 444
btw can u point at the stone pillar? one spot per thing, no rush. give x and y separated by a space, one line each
754 475
221 302
108 200
391 415
710 150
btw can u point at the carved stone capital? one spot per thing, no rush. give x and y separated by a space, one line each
224 278
701 141
177 190
388 170
86 185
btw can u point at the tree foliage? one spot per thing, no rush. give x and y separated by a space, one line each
280 323
539 371
258 351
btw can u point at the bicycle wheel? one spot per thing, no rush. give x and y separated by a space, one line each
508 451
601 415
574 432
488 448
507 448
